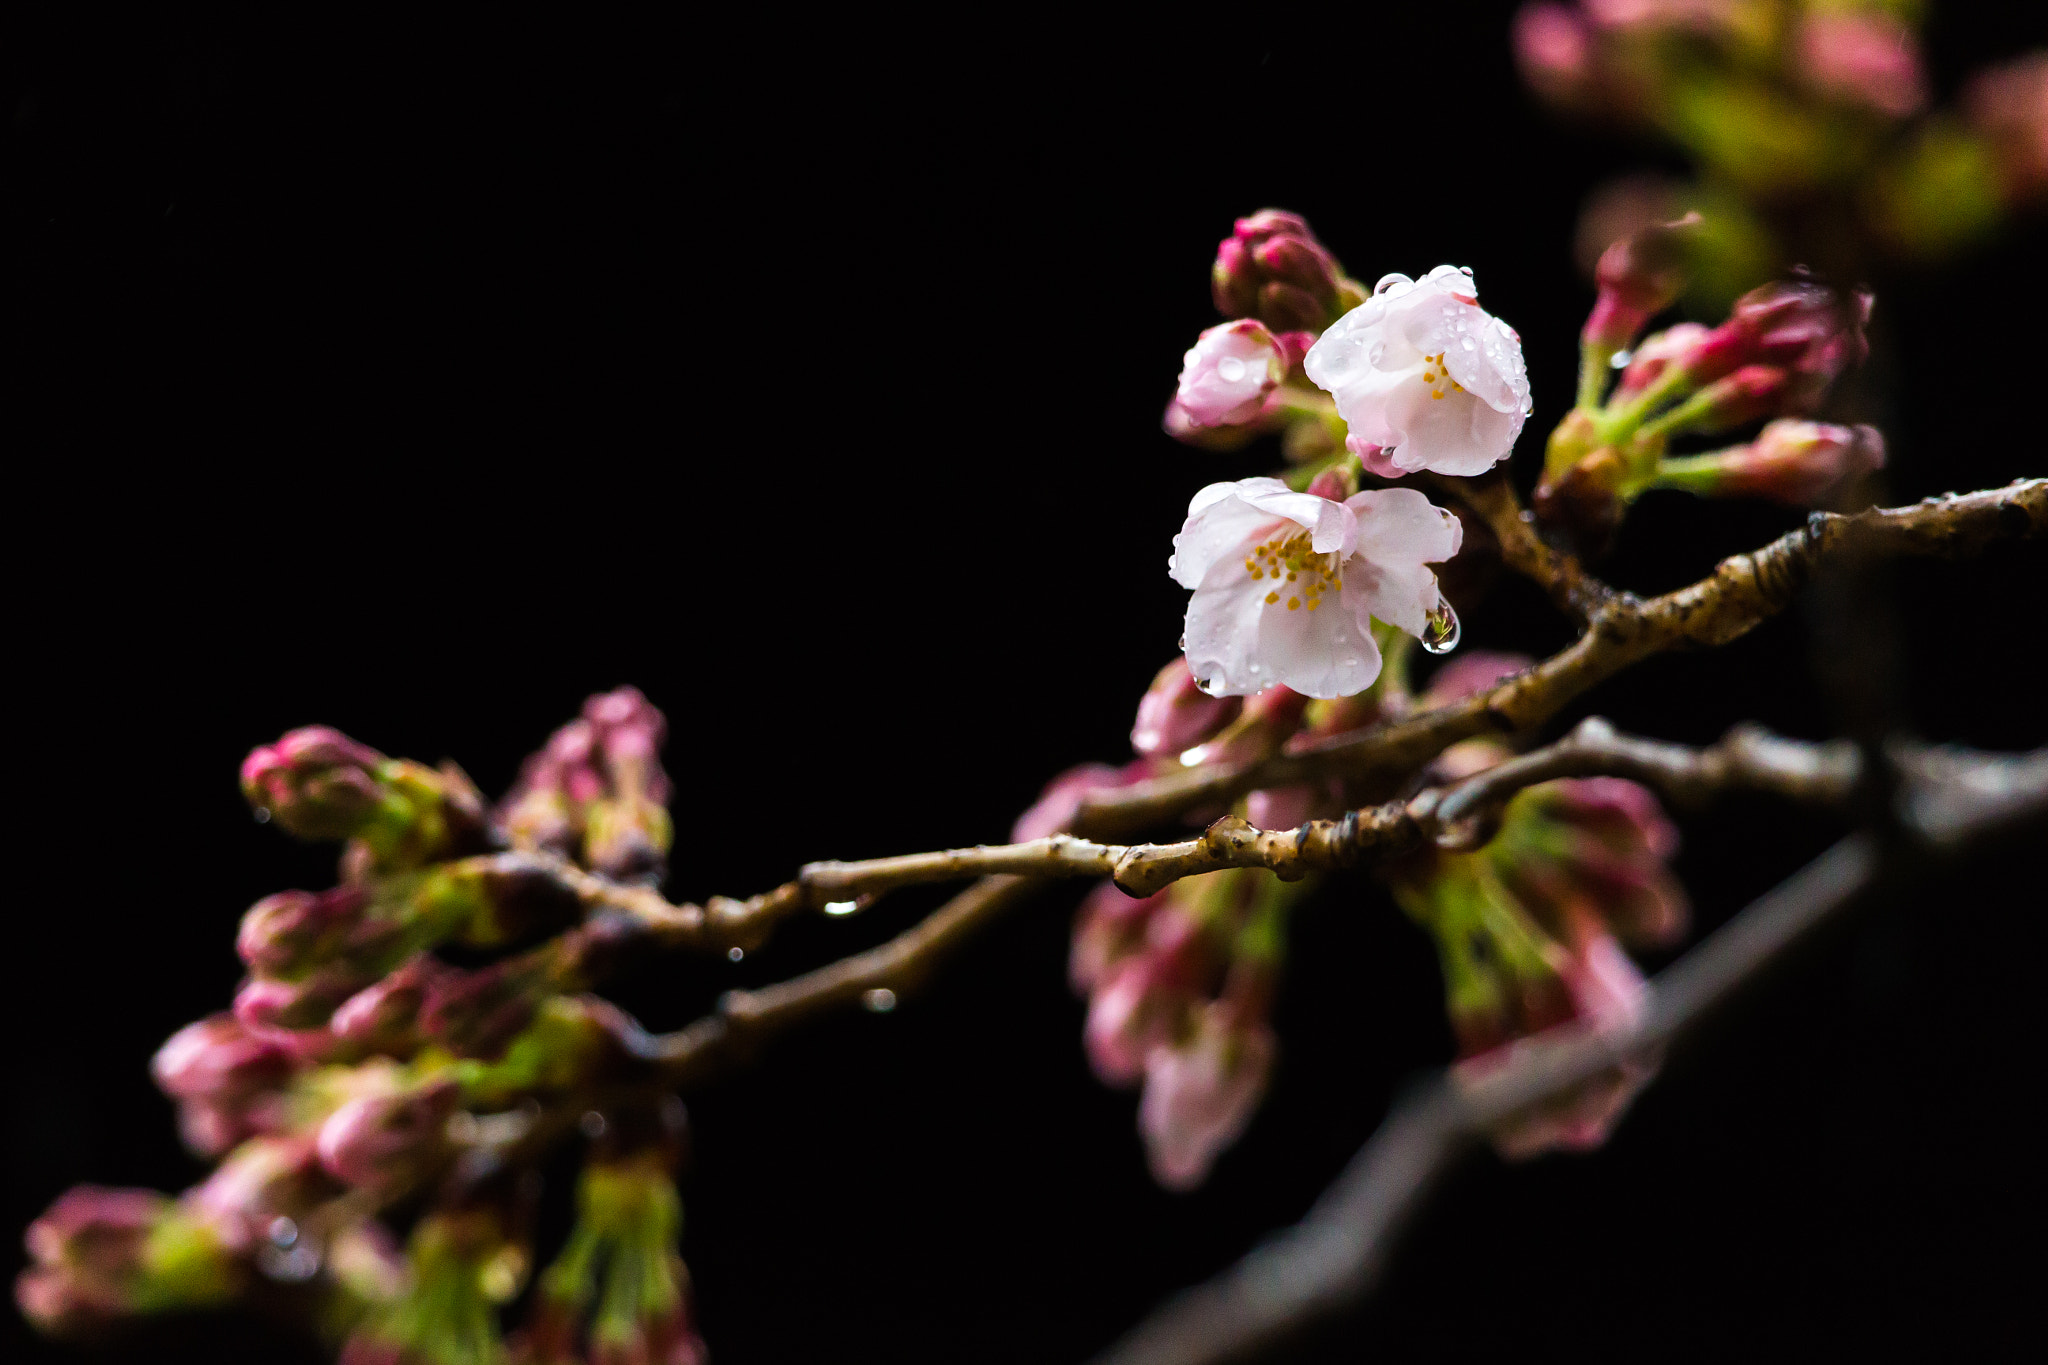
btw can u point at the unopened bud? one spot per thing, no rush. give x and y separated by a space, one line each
383 1140
597 790
1272 268
103 1254
1268 720
1554 49
1791 461
1807 329
478 1013
385 1017
1862 57
225 1077
316 782
264 1180
1638 277
1174 714
2008 104
294 931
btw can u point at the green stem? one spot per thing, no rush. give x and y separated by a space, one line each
1699 474
1620 423
1594 363
1675 421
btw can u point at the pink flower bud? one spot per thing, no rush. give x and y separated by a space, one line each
262 1181
1862 57
316 782
1108 928
1638 277
2009 105
1272 268
1225 378
385 1017
1061 800
294 931
1554 48
263 1005
1470 674
380 1140
1801 463
1606 992
1174 714
1676 345
102 1254
1200 1094
597 790
1811 331
1269 719
226 1078
1752 392
478 1013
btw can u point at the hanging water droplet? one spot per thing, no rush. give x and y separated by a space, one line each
1183 644
263 815
734 954
880 1000
841 907
1441 630
1620 359
1209 685
592 1123
283 1231
1465 270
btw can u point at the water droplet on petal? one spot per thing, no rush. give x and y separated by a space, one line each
1389 281
1230 369
1183 644
1620 359
1441 630
880 1000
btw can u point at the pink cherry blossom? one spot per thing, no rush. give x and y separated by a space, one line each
1226 377
1422 371
1201 1093
1286 585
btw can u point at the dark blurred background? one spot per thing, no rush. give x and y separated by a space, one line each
422 378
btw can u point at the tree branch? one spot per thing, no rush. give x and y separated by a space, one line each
1742 592
1578 594
1335 1255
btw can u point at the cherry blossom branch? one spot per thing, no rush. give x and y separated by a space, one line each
1741 593
1334 1257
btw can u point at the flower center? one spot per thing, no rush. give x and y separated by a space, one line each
1433 372
1296 570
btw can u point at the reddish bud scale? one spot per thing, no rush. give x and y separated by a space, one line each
316 782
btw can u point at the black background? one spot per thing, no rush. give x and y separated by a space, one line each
807 374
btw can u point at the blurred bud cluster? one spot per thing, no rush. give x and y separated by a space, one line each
398 1038
1816 133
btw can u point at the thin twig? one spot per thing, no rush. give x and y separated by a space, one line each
1334 1257
1748 759
1577 593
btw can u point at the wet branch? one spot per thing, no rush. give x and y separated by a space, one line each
1741 593
1334 1257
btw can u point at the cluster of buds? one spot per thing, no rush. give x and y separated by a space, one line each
1280 288
597 792
461 1265
1786 104
618 1294
1180 989
1777 355
319 784
358 1069
1529 928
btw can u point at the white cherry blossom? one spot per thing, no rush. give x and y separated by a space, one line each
1286 585
1423 372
